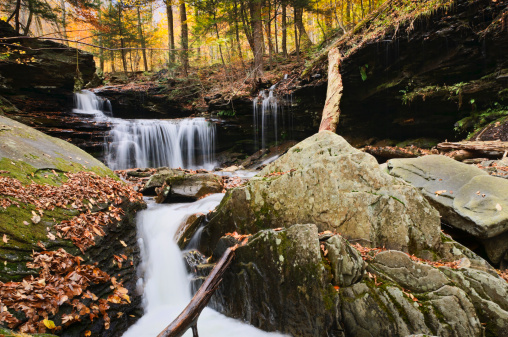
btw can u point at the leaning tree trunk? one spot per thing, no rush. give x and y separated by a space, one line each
284 30
331 111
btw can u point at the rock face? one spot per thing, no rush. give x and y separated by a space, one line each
39 162
466 197
323 180
421 82
51 70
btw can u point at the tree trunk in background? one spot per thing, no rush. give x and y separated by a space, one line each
304 37
237 33
122 43
142 39
268 31
257 36
284 30
101 44
171 31
184 40
297 41
112 55
64 21
30 16
331 111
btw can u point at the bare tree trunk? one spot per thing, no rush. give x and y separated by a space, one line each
237 33
331 111
284 30
171 31
257 34
112 55
184 40
101 51
297 40
142 38
122 43
304 37
29 20
268 31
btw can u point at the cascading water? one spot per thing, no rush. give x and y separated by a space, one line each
270 119
186 143
165 283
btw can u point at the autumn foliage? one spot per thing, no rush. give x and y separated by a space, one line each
28 305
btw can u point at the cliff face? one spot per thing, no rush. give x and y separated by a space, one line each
419 76
34 66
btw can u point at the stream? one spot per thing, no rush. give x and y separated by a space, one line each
163 278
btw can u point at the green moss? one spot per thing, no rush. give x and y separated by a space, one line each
9 333
23 239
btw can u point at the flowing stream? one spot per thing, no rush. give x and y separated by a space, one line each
165 282
163 278
188 142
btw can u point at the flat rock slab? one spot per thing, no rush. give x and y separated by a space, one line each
467 197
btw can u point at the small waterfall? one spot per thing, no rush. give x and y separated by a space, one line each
186 143
164 281
271 121
182 143
87 103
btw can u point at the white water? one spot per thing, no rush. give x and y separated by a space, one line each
165 281
186 143
270 118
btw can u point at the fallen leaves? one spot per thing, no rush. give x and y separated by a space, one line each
5 238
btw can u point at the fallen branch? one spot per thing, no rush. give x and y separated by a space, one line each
189 316
485 148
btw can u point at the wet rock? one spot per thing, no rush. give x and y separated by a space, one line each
187 229
323 180
466 197
188 187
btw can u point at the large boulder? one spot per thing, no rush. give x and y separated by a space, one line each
189 186
69 250
466 197
324 180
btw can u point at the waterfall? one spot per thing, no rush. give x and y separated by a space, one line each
186 143
271 121
182 143
164 280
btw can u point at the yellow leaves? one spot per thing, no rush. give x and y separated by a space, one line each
440 192
49 324
123 243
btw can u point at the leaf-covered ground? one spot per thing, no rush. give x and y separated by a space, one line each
90 203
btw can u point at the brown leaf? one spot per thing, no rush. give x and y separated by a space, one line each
6 239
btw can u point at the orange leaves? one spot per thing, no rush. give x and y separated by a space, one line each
61 280
275 174
243 238
367 252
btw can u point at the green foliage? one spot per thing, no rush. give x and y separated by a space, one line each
226 113
363 72
479 119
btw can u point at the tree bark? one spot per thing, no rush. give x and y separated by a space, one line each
304 39
184 38
29 20
284 30
142 39
331 111
257 36
171 31
237 33
101 51
189 316
122 43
